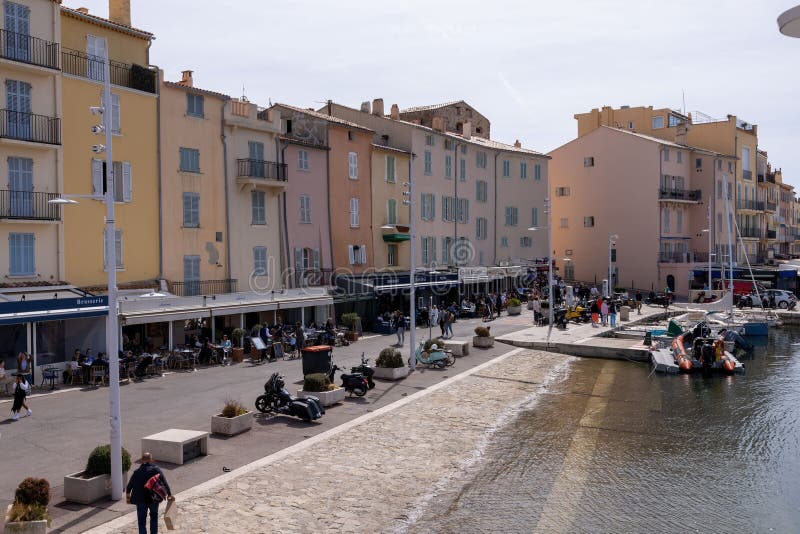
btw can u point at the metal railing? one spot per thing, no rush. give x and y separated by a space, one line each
123 74
676 257
771 206
313 278
757 205
30 127
750 232
256 168
747 175
770 234
680 194
30 50
203 287
28 205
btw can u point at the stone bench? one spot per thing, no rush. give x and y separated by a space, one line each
459 347
176 446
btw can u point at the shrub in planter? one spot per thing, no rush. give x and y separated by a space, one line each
483 337
482 331
514 302
390 358
232 408
94 482
99 462
30 506
350 319
237 335
317 383
233 419
33 491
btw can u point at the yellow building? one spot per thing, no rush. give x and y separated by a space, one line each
193 229
390 217
85 39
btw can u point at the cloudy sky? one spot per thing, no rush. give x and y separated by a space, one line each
527 65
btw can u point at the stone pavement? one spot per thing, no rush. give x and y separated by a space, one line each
375 473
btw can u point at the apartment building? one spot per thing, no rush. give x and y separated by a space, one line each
390 225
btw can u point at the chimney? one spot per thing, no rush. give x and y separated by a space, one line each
466 132
517 144
84 10
437 124
186 78
365 108
377 107
119 11
395 113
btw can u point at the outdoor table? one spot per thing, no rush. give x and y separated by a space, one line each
50 374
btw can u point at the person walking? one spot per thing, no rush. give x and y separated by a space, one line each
604 312
139 495
434 318
612 313
639 302
448 324
595 311
442 319
400 324
25 366
21 389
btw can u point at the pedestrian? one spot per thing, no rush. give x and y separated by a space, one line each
434 315
667 297
639 301
139 495
499 304
25 366
442 319
595 311
604 311
21 390
448 324
536 306
612 313
400 324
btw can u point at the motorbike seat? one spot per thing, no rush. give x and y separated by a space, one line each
351 376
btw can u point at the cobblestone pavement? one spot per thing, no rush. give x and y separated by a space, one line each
375 473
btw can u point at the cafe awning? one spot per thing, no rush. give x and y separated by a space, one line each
34 311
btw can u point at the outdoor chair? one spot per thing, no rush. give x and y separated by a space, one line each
75 373
98 371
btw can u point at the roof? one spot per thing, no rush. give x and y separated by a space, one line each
390 149
100 21
196 90
329 118
432 106
669 143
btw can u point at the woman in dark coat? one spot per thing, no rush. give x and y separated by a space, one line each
20 392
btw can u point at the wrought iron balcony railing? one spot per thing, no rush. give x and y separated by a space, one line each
313 278
28 205
750 232
30 50
256 168
756 205
192 288
680 194
81 64
30 127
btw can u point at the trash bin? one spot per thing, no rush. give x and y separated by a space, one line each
317 359
624 313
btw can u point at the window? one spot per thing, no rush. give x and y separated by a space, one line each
350 135
391 169
391 259
302 160
305 209
746 163
679 221
481 190
115 112
666 154
673 120
719 189
448 166
588 222
352 159
428 207
391 211
730 166
719 222
191 275
525 241
464 149
698 164
719 164
730 191
190 160
448 144
17 19
121 180
569 270
462 210
680 156
428 163
463 174
537 172
191 210
354 213
534 217
562 191
588 162
21 254
511 216
117 250
564 222
429 139
448 209
96 52
658 122
20 185
504 241
357 254
506 168
630 125
428 250
258 202
480 159
523 170
666 221
260 261
447 249
195 105
481 228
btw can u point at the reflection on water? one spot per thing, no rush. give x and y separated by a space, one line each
614 448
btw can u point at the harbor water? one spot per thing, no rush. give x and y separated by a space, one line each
614 448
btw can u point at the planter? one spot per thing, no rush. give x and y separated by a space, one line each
352 336
326 398
514 310
230 426
482 342
237 354
88 490
26 527
392 373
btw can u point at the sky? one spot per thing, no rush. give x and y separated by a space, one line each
528 66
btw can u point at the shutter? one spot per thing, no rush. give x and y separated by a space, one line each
363 254
298 259
316 258
432 204
127 187
444 208
351 254
97 177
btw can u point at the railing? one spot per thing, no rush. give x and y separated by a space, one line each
256 168
202 287
30 127
760 178
757 205
313 278
122 74
27 49
680 194
771 177
28 205
676 257
747 175
770 234
750 232
771 206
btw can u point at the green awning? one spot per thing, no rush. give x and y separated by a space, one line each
396 238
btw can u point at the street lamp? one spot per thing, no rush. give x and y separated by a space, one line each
611 243
549 227
708 231
789 22
408 201
112 323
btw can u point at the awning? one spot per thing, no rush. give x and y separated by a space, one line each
33 311
164 316
396 238
244 308
436 283
52 315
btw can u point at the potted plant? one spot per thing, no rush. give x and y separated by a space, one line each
237 353
514 306
318 385
351 321
233 419
483 338
439 342
28 513
390 365
94 482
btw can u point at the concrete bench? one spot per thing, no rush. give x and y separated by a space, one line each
459 347
176 446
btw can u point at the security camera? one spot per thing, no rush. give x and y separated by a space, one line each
406 193
96 110
98 149
98 129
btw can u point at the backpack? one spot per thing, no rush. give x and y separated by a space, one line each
155 488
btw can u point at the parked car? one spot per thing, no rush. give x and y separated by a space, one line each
781 298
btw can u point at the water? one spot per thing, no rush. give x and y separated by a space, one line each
612 448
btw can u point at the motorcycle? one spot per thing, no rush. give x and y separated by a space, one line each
365 370
577 313
434 356
277 399
352 383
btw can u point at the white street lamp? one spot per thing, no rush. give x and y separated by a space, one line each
708 231
789 22
409 201
549 228
611 243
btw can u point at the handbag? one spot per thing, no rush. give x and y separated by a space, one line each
156 488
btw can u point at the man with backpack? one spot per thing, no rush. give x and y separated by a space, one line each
146 489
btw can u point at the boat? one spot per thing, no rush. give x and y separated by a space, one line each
697 350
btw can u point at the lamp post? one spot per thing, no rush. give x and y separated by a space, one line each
549 227
708 231
611 244
409 201
112 325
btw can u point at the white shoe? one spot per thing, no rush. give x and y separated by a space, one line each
15 416
29 412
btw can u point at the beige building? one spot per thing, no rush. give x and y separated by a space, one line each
390 225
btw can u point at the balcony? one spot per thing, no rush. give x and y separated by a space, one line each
747 175
30 127
750 232
27 205
260 173
765 179
770 234
313 278
752 205
677 257
771 206
683 195
84 65
202 287
30 50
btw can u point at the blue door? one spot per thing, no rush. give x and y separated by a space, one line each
18 106
20 186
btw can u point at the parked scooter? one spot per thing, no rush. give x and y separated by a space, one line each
434 356
365 370
278 400
352 383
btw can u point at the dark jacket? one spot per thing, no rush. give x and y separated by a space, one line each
139 494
